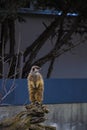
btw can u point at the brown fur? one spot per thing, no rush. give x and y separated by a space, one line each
35 88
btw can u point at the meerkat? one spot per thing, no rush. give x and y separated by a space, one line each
35 85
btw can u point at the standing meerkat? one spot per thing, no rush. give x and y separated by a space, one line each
35 85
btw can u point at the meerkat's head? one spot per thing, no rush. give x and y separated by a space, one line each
35 69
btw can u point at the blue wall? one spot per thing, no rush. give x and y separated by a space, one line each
56 91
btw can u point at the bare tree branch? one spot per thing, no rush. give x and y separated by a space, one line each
7 93
43 60
60 35
39 42
52 53
42 38
50 69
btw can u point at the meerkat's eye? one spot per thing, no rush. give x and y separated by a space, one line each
33 69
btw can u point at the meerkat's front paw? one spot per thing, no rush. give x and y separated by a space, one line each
34 86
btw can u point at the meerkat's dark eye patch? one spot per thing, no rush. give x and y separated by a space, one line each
33 69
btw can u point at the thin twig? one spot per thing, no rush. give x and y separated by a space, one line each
17 59
8 59
10 90
14 74
1 74
9 67
3 71
21 66
6 78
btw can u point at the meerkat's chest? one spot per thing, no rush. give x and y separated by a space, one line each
34 78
